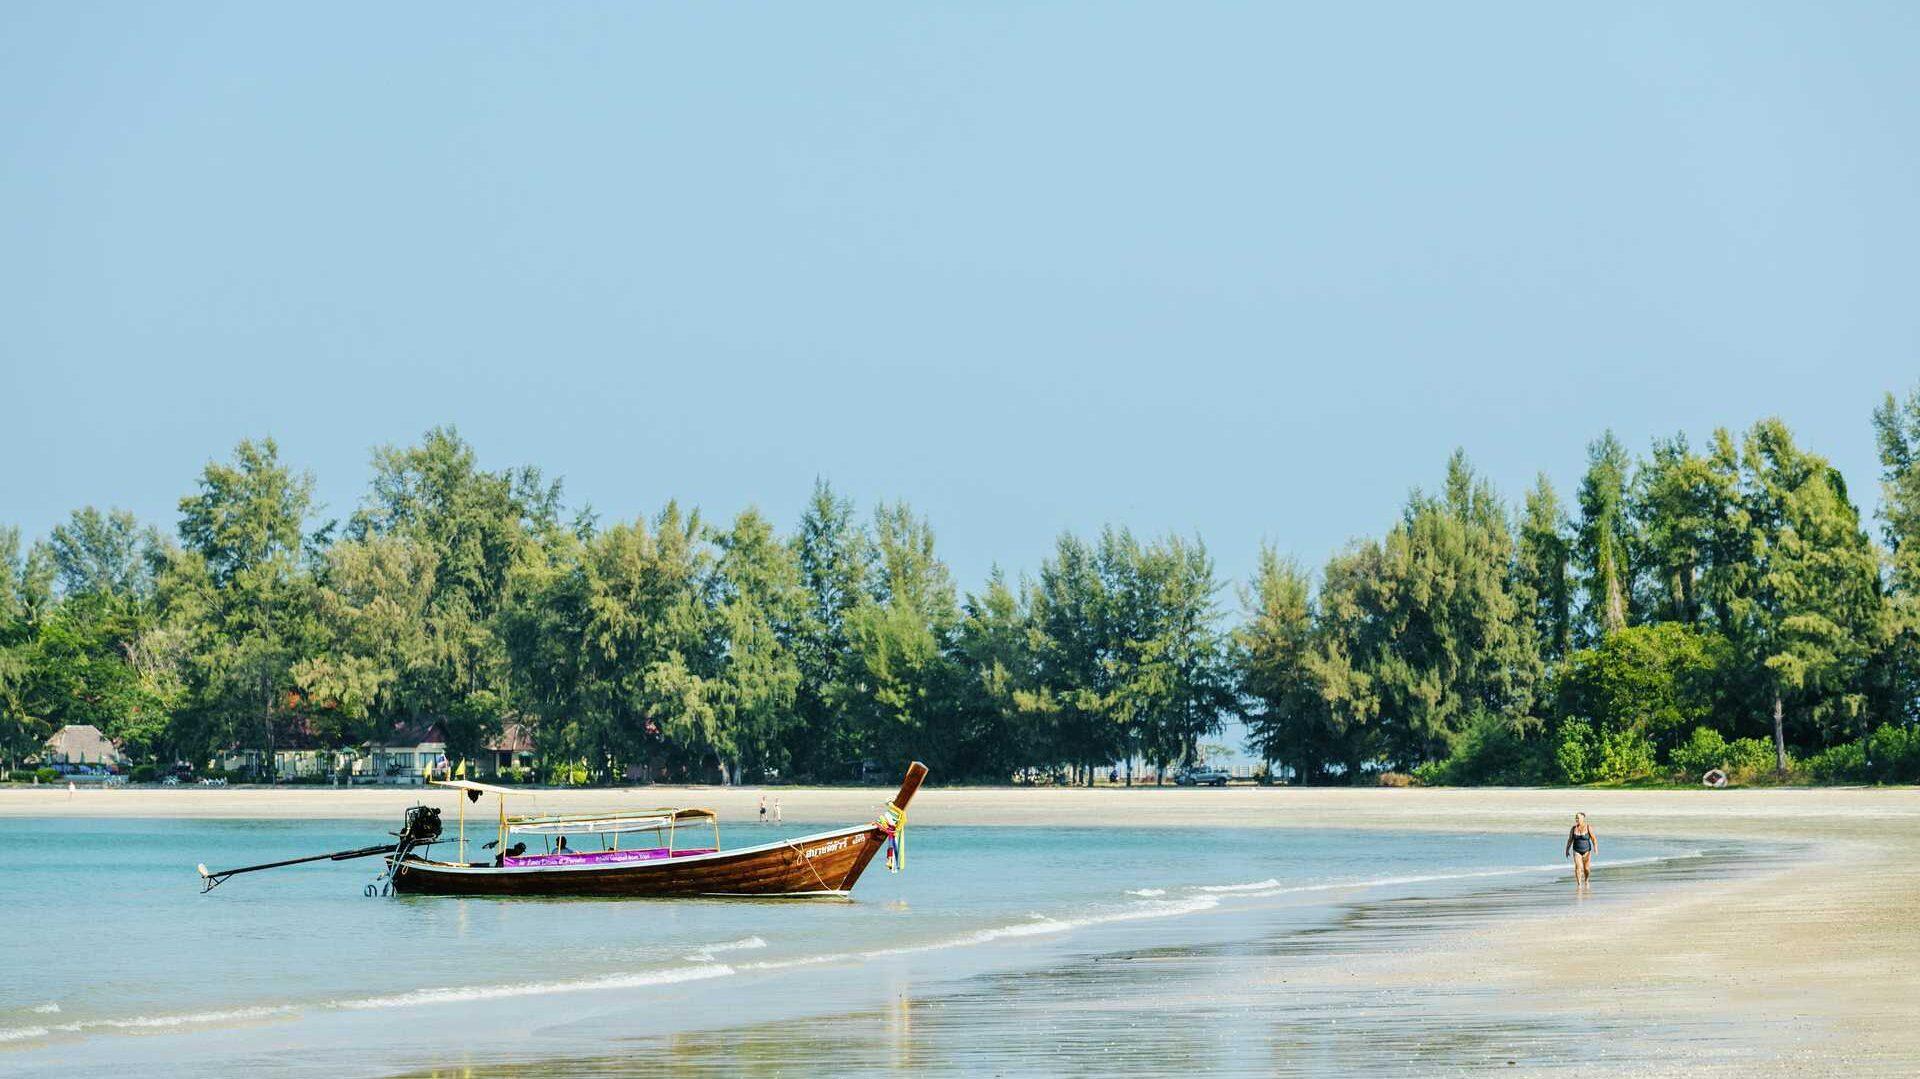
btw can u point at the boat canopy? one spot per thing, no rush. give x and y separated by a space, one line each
645 820
482 788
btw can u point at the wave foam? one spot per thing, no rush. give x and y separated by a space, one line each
463 994
1254 887
16 1034
49 1008
1147 893
706 952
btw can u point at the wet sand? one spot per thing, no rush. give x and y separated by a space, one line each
1802 961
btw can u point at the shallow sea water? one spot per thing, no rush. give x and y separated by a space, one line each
998 950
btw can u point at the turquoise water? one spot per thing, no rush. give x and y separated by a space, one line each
115 956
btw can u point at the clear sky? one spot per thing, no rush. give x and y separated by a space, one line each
1247 271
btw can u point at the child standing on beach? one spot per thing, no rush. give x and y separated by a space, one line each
776 809
763 809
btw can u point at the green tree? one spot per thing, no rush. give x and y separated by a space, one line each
473 526
372 606
1287 719
761 604
1072 673
1655 682
1896 426
98 553
1679 500
1809 612
243 530
995 649
1604 539
834 555
901 686
1425 630
1544 569
1172 681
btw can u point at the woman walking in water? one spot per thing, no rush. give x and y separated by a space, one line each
1581 843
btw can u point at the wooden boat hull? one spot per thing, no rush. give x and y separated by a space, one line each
827 863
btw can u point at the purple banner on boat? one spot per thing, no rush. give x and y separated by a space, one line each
599 857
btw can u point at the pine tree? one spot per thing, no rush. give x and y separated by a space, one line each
1604 540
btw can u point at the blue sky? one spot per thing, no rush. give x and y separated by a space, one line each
1247 271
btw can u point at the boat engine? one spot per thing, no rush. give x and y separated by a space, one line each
422 825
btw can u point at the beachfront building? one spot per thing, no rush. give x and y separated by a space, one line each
399 756
510 749
79 745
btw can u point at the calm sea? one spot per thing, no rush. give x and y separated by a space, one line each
113 957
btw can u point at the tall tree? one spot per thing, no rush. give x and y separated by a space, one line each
244 529
1544 570
1679 503
834 555
1423 631
107 554
1172 686
761 604
901 686
1071 611
1287 719
1896 426
1809 617
995 647
474 526
1604 539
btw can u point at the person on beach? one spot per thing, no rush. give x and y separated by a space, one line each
763 809
1581 843
776 810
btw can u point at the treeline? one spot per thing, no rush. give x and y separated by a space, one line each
669 643
1719 606
1723 607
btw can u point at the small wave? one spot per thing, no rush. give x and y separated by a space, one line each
19 1034
1256 886
1273 887
1147 893
1043 924
462 994
801 961
48 1008
162 1022
706 952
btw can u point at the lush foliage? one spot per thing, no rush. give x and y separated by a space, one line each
1720 607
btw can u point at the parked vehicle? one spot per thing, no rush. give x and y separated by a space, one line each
1201 776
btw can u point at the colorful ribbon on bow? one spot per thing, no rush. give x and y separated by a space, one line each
893 823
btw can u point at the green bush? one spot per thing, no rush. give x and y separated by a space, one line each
144 773
1703 751
46 775
1891 754
1742 759
22 775
1844 763
1574 751
1749 758
1623 755
1490 752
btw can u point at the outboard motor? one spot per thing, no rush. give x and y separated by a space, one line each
422 825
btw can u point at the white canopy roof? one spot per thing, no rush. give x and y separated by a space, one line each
470 785
643 821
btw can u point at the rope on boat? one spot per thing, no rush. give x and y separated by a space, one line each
812 868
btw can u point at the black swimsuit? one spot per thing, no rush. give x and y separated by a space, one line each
1582 843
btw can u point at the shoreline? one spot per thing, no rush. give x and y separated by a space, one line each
1806 966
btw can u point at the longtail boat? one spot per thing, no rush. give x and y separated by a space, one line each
678 853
